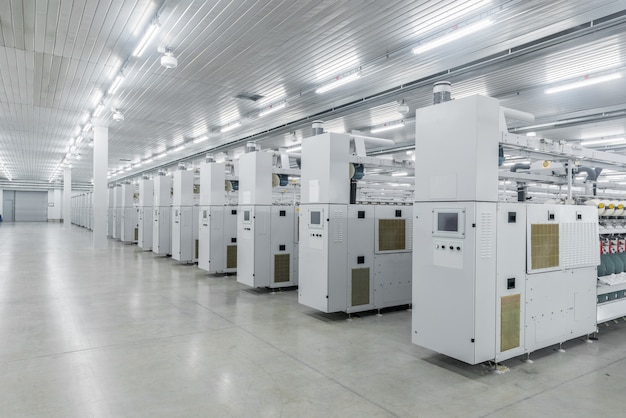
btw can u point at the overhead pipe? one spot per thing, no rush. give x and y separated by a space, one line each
592 175
518 114
373 140
519 166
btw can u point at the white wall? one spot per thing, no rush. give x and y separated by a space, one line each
1 200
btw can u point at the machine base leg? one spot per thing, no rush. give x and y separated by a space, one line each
528 360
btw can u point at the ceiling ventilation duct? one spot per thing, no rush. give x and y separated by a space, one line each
249 96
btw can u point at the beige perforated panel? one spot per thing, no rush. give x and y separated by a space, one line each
282 268
231 256
391 234
509 322
544 245
360 286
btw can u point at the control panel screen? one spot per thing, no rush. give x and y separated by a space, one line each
448 222
316 217
246 216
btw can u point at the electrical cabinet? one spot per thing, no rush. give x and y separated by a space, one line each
355 257
145 218
161 210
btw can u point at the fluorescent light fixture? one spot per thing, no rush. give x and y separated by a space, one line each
161 155
387 127
116 84
179 148
128 168
79 139
230 127
399 174
200 139
148 161
98 110
272 109
339 81
97 96
136 165
87 127
587 81
593 142
453 36
73 148
295 149
531 133
145 40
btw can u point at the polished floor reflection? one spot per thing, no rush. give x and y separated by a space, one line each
122 333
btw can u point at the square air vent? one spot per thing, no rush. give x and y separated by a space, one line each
249 96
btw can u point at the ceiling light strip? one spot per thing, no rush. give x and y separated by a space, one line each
387 127
146 38
456 32
586 81
339 81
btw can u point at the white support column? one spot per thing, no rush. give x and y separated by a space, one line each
100 166
67 197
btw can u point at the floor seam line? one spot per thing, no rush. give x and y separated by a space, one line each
554 387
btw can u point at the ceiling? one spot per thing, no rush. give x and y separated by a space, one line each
56 55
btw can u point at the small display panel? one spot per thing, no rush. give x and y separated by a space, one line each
316 217
448 221
246 215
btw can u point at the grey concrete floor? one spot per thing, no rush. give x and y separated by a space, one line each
122 333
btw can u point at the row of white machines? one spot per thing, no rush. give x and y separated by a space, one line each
346 257
82 210
123 215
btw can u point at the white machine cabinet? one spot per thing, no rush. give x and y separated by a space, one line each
111 212
266 244
162 209
217 247
117 211
353 257
184 218
128 229
145 218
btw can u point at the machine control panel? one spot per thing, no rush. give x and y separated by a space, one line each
448 253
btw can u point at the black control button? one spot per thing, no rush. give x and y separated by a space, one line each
458 248
451 247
